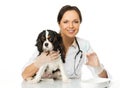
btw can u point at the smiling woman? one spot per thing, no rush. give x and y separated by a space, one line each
22 20
69 20
78 51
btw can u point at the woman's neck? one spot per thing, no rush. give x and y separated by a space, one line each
67 42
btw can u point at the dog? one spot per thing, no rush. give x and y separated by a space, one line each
47 41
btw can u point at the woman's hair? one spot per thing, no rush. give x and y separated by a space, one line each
68 8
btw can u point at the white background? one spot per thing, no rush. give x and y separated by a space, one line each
22 20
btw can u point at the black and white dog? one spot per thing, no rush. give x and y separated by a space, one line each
48 41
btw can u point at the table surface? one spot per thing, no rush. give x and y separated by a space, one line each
74 83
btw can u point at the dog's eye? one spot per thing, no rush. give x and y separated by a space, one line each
50 39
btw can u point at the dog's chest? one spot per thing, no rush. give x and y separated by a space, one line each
54 65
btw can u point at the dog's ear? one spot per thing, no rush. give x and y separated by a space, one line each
58 45
39 47
57 41
59 38
39 43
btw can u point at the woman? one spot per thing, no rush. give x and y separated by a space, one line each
78 51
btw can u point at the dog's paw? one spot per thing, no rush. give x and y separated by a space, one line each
33 81
66 80
48 80
30 78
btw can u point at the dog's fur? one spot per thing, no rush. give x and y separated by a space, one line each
48 41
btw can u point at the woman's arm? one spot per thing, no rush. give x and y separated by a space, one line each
42 59
29 71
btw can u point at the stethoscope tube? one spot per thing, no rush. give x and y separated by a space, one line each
79 51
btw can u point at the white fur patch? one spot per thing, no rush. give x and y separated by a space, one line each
50 45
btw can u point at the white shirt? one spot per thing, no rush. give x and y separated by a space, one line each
74 65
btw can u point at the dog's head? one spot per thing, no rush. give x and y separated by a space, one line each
50 40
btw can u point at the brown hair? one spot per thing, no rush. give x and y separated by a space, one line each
67 8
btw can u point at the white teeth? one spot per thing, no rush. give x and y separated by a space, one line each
71 30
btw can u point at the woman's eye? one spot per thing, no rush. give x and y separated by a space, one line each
76 21
65 22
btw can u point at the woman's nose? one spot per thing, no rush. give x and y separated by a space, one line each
71 25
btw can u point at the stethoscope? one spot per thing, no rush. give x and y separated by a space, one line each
81 56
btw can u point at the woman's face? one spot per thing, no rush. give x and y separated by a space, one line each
69 24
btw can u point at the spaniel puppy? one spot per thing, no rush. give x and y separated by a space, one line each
48 41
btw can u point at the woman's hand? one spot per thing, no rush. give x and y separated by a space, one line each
44 58
93 60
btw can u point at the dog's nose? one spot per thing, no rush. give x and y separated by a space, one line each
46 44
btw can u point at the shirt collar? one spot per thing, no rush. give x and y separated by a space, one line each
74 44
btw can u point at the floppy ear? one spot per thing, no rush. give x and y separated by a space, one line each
39 44
59 46
39 47
57 41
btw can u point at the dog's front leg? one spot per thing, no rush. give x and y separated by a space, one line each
63 74
39 74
